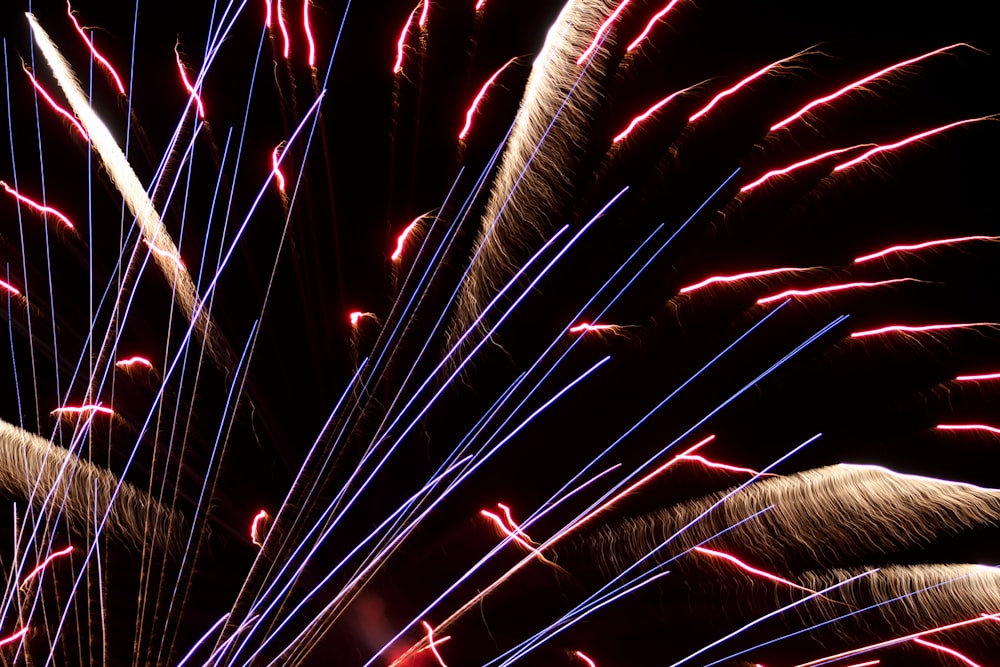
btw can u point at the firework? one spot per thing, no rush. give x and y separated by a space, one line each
599 332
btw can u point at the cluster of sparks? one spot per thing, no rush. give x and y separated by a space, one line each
834 160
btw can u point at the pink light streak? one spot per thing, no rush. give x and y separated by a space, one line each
283 27
921 246
276 168
798 165
187 82
397 254
949 651
831 288
893 328
471 112
10 288
508 526
169 256
432 643
31 203
649 26
10 639
859 83
737 277
601 32
748 568
268 17
401 42
355 316
307 27
583 656
585 327
645 115
975 378
968 427
903 142
55 105
729 91
426 7
480 5
901 640
255 535
45 563
97 54
134 361
83 409
708 463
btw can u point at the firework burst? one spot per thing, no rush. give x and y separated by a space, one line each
594 333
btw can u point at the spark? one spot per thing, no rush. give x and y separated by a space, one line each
82 409
10 639
255 531
134 361
355 316
45 563
479 98
584 327
950 651
10 288
901 640
968 427
276 167
803 163
649 26
737 277
55 105
729 91
268 18
831 288
644 115
426 7
401 42
973 378
397 254
857 84
583 656
433 643
480 5
908 140
93 50
44 210
307 27
187 82
721 466
601 32
283 27
921 246
892 328
168 255
748 568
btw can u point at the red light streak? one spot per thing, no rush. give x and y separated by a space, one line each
432 643
55 105
480 5
307 27
893 328
479 98
355 316
729 91
831 288
583 656
426 7
644 115
748 568
903 142
134 361
187 82
276 168
283 27
921 246
93 50
737 277
792 167
401 239
45 563
44 210
584 327
401 42
268 19
601 32
10 288
649 26
509 527
255 535
721 466
973 378
857 84
901 640
968 427
949 651
81 409
10 639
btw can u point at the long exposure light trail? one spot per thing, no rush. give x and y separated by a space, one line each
941 648
905 328
474 106
905 142
657 17
101 60
37 206
831 288
602 32
55 106
45 563
920 246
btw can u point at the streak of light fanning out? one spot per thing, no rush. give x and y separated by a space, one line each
397 254
134 361
940 648
831 288
93 50
798 165
601 32
708 463
644 115
187 82
903 328
921 246
585 327
733 89
83 409
743 565
401 42
55 105
45 563
355 316
908 140
10 289
38 206
255 531
650 25
738 277
471 112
